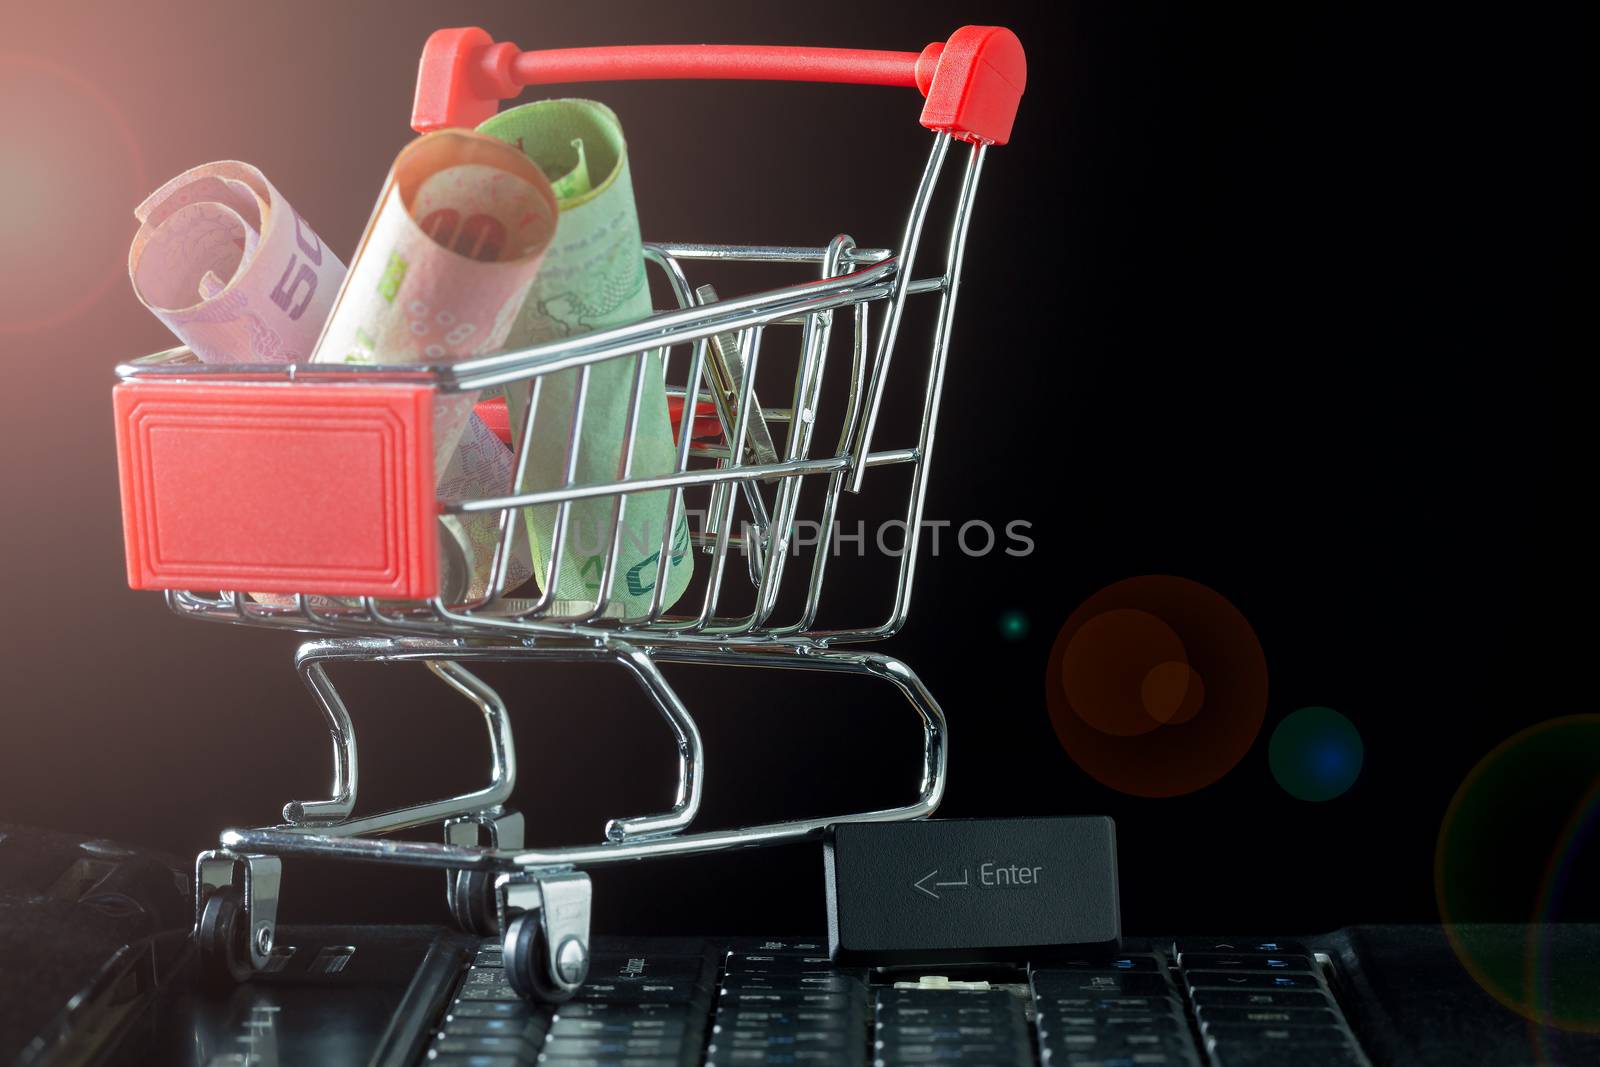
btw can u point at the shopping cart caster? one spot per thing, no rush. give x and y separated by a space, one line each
545 947
471 894
236 913
221 935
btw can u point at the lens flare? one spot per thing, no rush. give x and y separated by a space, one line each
1014 625
1315 754
71 172
1156 686
1517 845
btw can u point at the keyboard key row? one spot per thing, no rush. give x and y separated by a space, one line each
1120 1011
931 1025
1253 1002
1264 1002
640 1011
788 1008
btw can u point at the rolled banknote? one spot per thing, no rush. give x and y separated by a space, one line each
454 243
480 466
452 246
231 268
593 277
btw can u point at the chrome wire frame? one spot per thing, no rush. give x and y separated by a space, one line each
497 627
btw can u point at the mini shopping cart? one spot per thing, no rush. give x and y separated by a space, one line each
187 529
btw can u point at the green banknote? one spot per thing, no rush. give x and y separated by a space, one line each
593 277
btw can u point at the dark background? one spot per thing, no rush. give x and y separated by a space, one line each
1268 296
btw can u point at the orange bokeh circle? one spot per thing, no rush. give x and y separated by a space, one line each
93 174
1156 686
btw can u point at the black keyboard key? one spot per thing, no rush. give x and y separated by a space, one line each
641 1026
914 1033
1247 961
1262 998
1249 980
1144 962
485 1045
473 1060
1121 983
1123 1059
500 990
774 1000
495 1009
564 1048
788 1038
669 991
751 963
1107 1043
577 1009
1106 1024
1185 945
773 947
1227 1035
532 1029
1268 1016
772 1058
1110 1005
853 1016
995 1053
791 983
973 1014
607 966
1259 1056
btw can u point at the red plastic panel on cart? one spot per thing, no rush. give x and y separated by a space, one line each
279 488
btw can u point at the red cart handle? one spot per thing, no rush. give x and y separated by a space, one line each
972 82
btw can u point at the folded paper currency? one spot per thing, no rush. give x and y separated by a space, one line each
224 261
593 277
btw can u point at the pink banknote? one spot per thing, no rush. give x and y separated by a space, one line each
452 248
228 265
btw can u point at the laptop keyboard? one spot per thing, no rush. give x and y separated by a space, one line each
1197 1003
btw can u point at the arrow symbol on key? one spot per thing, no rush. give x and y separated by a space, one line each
922 887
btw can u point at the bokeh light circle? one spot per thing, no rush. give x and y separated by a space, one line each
1520 843
1014 625
1172 692
1315 754
71 173
1156 686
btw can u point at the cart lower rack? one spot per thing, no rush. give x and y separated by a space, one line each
762 472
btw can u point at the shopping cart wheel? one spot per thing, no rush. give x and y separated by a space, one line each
545 947
472 903
236 912
526 958
471 894
222 937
